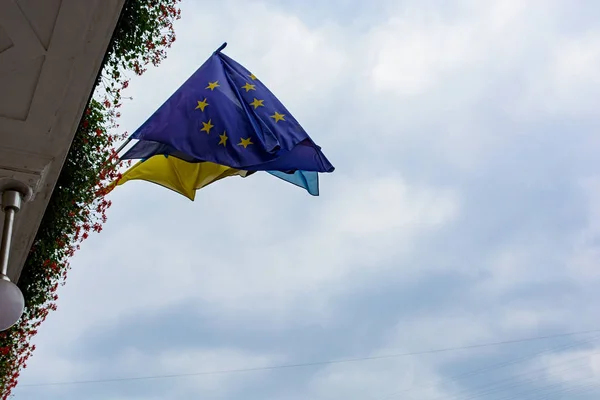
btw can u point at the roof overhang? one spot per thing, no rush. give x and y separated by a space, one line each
50 54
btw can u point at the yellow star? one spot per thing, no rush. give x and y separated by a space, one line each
249 87
245 142
201 105
252 76
278 117
257 103
207 126
212 85
224 138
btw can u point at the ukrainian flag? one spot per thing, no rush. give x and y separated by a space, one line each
178 175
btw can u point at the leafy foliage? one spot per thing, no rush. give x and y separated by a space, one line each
78 204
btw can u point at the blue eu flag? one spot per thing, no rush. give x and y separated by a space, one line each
225 115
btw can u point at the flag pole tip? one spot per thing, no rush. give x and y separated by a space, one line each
221 48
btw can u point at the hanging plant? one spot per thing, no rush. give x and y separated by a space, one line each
78 205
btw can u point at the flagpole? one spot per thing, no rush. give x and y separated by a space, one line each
125 143
220 48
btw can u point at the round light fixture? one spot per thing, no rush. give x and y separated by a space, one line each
11 303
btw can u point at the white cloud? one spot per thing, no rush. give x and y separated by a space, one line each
134 363
377 380
363 222
567 367
422 45
198 360
411 377
568 83
582 265
412 55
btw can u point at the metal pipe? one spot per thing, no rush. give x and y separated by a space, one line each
9 219
11 203
125 143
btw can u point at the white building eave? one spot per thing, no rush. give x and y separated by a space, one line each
50 54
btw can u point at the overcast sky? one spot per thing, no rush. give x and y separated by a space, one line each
464 209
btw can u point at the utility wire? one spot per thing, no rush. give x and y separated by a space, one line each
582 389
534 376
309 364
560 388
406 392
515 381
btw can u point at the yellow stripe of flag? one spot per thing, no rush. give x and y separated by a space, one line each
180 176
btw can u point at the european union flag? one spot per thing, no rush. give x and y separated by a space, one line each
225 115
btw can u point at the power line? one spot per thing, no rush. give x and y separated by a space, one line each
517 380
310 364
552 389
581 389
406 392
